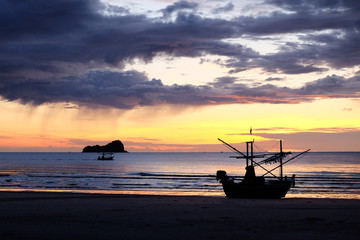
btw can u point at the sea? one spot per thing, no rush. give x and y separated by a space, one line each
317 174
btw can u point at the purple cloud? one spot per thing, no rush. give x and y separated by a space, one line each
53 51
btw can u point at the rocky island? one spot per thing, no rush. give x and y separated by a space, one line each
114 146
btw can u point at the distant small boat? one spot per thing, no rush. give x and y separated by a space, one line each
256 187
107 156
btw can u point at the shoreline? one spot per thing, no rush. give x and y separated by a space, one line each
56 215
172 193
105 193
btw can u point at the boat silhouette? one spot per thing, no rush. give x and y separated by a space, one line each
106 156
253 186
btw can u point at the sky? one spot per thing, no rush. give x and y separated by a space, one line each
163 75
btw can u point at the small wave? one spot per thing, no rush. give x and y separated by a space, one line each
64 187
11 185
319 178
131 184
172 175
159 177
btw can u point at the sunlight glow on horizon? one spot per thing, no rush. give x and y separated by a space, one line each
48 129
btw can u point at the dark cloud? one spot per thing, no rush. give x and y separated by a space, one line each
46 33
178 6
122 90
309 5
274 79
223 82
126 90
228 7
40 18
338 52
76 32
332 86
330 32
288 64
280 23
51 51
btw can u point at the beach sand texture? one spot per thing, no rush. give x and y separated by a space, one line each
30 215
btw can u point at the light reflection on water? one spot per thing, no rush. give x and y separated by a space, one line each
320 175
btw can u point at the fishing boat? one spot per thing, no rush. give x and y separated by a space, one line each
253 186
105 156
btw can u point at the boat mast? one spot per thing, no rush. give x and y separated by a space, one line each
252 153
281 161
251 156
247 154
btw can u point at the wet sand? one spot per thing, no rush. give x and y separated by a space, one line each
26 215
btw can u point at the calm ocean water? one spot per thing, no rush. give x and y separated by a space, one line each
318 175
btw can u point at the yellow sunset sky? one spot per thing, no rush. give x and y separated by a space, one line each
177 75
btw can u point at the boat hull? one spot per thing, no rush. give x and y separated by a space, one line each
276 189
106 156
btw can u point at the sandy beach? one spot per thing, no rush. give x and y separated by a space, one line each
30 215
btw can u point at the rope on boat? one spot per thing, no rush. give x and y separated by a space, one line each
287 161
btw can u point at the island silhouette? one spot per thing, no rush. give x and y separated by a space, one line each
114 146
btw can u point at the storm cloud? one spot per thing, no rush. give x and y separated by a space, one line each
63 51
126 90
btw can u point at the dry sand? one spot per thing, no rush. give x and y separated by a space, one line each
25 215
